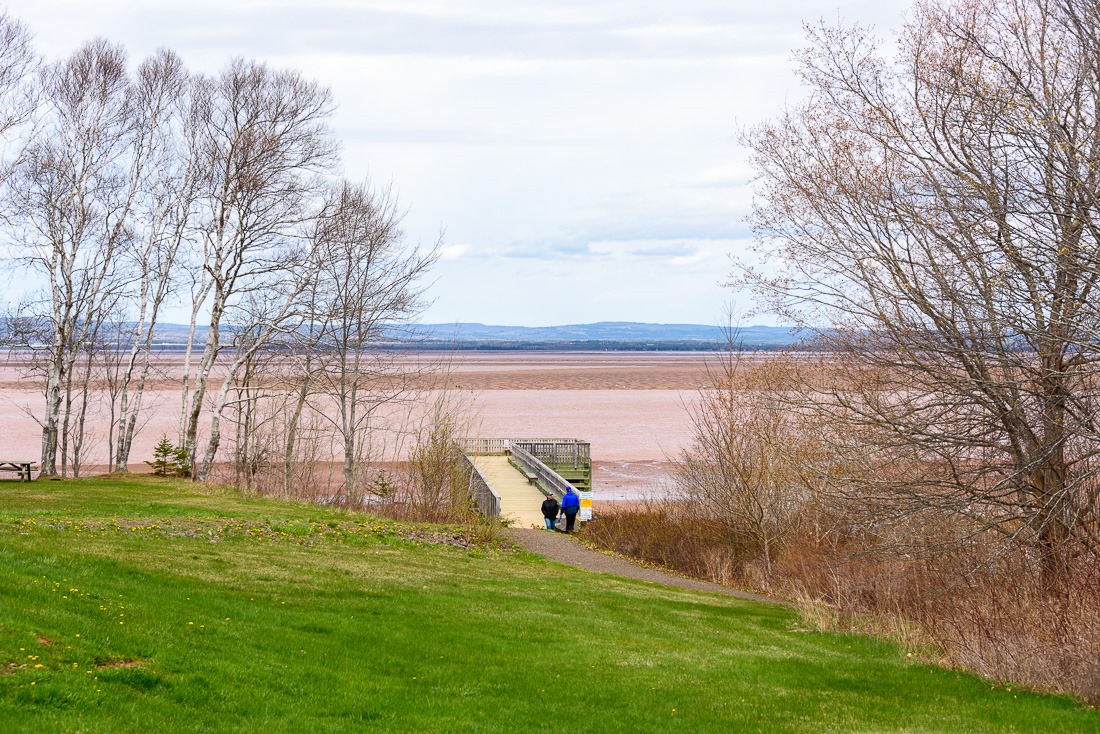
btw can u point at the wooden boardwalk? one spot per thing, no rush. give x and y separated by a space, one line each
519 499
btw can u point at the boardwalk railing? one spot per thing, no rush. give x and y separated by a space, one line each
552 451
537 456
557 451
483 446
547 478
488 501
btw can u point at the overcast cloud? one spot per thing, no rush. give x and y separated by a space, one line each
581 156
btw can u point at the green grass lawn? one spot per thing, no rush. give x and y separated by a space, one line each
153 605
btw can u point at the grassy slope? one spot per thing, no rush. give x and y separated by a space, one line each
161 606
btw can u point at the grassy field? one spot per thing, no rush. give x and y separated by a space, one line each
156 606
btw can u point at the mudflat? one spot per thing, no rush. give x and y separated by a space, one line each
631 406
579 370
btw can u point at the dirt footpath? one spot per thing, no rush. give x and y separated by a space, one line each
565 549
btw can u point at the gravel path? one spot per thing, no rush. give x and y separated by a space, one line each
565 549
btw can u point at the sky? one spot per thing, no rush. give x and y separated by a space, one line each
580 157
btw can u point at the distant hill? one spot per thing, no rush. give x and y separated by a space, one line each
603 335
624 335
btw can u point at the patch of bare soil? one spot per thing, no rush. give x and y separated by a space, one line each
115 664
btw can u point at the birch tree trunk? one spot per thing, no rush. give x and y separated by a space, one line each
72 200
263 140
166 129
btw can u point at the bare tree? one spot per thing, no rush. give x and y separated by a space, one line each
438 486
301 357
200 284
73 196
933 215
256 404
368 285
134 184
164 130
744 465
263 317
18 92
263 139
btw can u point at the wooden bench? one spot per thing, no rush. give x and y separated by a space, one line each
530 477
22 468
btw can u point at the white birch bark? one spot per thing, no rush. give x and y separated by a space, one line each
264 140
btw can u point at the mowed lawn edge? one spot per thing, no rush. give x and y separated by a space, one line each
141 604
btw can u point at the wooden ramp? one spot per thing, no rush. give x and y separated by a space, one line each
520 500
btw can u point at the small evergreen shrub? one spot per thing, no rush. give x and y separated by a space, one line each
170 460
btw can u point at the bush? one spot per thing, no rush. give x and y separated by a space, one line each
974 606
170 460
663 533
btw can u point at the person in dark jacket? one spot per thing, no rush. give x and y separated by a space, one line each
550 510
570 506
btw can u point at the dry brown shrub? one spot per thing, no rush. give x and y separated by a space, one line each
664 532
1009 622
965 605
971 606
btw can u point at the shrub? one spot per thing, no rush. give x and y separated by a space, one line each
170 460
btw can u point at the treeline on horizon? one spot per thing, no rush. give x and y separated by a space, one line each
615 336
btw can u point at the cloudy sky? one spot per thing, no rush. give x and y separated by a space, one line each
580 156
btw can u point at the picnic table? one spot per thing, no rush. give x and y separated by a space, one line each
22 468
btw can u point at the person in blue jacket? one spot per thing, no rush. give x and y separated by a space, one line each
570 506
